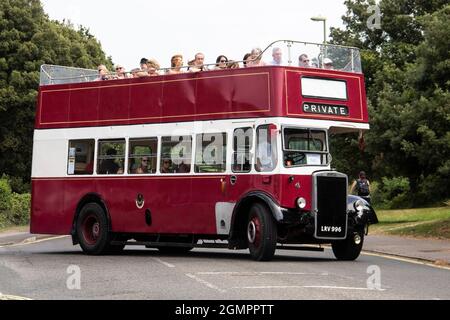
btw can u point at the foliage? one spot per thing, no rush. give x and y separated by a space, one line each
29 39
14 207
5 194
392 193
406 64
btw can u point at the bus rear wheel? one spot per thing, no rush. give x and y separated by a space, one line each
92 229
350 248
261 233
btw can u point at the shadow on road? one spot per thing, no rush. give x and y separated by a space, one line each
242 255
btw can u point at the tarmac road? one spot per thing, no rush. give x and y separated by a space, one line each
48 269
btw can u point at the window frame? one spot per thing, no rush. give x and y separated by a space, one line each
156 154
251 150
125 151
325 153
224 150
93 160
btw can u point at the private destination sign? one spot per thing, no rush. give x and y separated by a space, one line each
325 109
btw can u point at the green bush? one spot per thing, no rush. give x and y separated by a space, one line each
391 193
19 212
5 194
14 207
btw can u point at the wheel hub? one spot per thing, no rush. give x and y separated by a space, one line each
254 231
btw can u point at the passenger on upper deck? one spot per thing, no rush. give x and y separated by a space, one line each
256 56
246 58
233 64
120 72
277 55
197 63
176 62
328 64
153 67
143 64
221 62
303 61
102 73
134 72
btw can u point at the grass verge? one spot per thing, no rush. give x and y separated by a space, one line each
8 229
423 222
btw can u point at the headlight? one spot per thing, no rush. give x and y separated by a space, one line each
301 202
359 205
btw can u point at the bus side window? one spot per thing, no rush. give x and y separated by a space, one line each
210 155
142 156
242 145
81 157
111 156
266 148
176 154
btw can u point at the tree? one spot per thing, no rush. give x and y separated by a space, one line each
28 39
406 64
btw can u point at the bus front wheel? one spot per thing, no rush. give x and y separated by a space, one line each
261 233
350 248
93 231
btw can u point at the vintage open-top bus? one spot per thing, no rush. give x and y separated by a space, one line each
234 158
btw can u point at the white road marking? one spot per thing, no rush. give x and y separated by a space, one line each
234 273
204 282
29 241
343 288
11 297
404 259
164 263
315 287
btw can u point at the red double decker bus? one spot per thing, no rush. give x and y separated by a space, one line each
233 158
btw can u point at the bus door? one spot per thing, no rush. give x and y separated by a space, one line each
209 180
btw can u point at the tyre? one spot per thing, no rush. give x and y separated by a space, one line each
348 249
93 230
261 233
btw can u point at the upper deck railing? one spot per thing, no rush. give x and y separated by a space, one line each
293 53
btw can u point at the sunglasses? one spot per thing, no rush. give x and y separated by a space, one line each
223 61
119 68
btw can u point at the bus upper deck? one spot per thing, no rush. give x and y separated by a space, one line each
336 95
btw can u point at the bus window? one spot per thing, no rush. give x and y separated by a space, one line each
210 155
266 148
304 147
142 156
81 157
242 145
111 156
176 154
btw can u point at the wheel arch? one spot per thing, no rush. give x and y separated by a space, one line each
88 198
237 238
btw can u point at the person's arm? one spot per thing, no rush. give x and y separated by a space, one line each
352 187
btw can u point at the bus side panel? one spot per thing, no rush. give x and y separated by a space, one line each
168 198
47 209
301 186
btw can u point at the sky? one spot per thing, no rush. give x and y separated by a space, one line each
132 29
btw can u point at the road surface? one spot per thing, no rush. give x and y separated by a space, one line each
54 269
